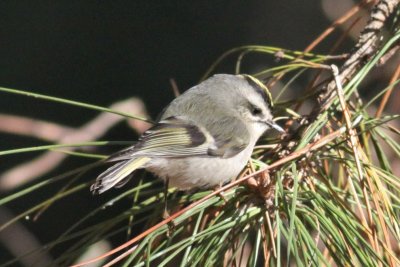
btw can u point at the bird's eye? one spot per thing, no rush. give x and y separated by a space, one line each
256 111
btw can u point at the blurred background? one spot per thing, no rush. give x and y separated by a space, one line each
101 52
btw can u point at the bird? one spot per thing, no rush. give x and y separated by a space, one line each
204 137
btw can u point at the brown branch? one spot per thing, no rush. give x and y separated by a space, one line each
340 21
18 240
92 130
174 87
44 130
385 98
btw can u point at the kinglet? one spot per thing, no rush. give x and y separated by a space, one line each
204 137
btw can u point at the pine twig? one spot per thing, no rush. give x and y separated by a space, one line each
365 48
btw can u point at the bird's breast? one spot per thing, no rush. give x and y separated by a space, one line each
196 172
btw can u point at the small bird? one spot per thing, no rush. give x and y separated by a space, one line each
203 139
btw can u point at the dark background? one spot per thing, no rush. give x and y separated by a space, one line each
103 51
100 52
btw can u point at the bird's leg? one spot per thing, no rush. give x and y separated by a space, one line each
171 224
166 213
221 194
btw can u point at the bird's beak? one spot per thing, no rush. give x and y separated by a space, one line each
275 126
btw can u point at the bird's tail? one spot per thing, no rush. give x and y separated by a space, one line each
117 174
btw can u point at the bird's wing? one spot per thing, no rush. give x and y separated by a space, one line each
117 175
176 137
172 137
